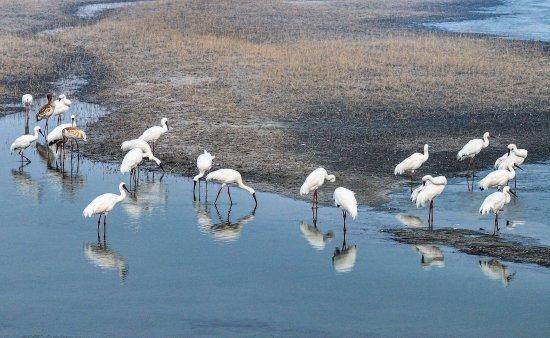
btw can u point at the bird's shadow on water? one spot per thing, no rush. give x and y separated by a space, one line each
224 229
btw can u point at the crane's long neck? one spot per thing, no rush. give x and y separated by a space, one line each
426 154
122 195
199 176
244 186
35 135
485 141
512 173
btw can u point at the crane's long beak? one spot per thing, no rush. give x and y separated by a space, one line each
125 188
255 200
517 166
509 152
194 184
492 136
41 133
161 167
513 193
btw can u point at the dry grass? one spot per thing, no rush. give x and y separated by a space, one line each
255 81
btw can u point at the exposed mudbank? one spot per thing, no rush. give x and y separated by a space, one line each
476 243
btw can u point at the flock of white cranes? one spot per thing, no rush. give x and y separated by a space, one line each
143 147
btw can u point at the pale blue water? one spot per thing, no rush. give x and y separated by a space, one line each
174 266
515 19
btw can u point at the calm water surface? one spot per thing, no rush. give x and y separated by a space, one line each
516 19
174 266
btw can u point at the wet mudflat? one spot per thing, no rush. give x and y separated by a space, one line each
172 265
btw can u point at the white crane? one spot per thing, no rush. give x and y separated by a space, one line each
130 163
316 238
498 178
514 156
57 133
154 133
204 163
145 148
412 163
472 148
23 142
27 101
345 200
61 106
495 203
431 188
313 182
229 177
103 204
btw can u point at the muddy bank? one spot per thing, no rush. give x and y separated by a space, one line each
476 243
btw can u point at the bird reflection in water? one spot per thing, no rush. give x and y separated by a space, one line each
495 270
431 255
100 255
69 181
150 195
25 184
511 225
410 220
224 230
316 238
343 259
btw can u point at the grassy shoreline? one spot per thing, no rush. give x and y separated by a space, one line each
277 89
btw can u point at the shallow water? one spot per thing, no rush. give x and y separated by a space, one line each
515 19
174 266
92 11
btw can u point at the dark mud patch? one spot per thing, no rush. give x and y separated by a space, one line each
476 243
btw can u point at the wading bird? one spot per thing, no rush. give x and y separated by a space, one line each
312 183
498 178
204 163
495 203
154 133
412 163
514 156
61 105
46 111
103 204
130 163
471 149
229 177
345 200
145 148
73 134
27 100
57 133
23 142
431 188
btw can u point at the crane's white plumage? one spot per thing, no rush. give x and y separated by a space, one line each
498 178
103 204
154 133
24 141
231 177
430 189
57 133
61 105
204 163
131 160
473 147
27 100
145 148
315 180
514 156
345 199
495 202
412 163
